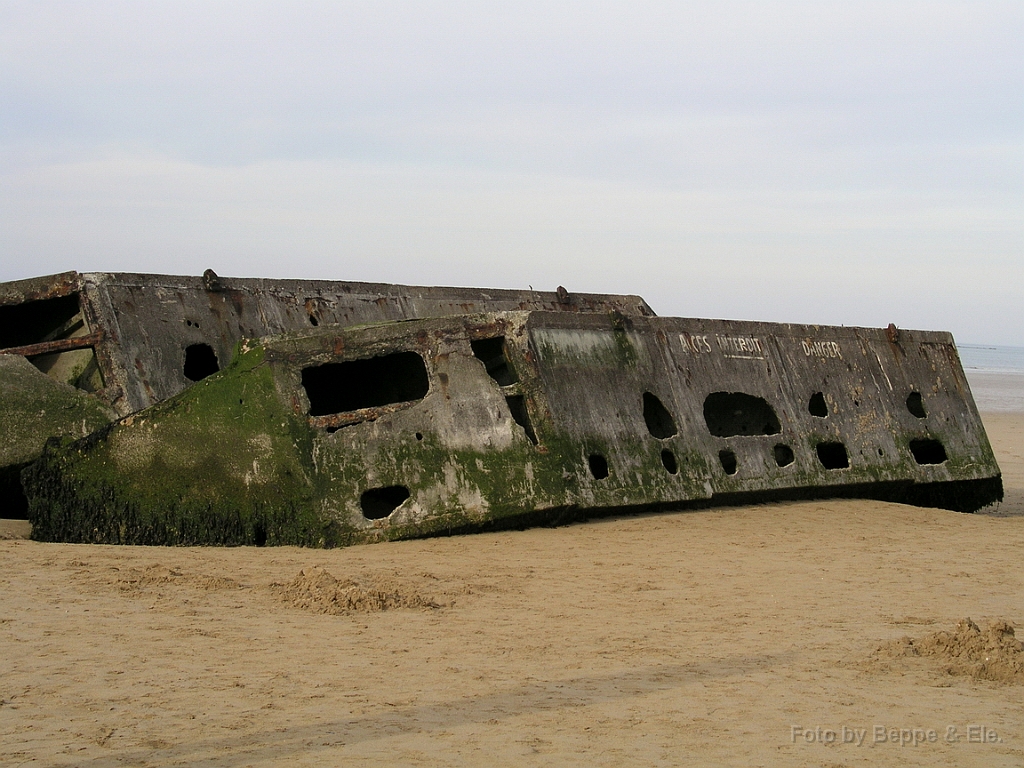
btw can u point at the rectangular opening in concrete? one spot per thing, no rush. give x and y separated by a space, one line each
33 322
928 451
52 335
354 384
491 352
736 413
200 362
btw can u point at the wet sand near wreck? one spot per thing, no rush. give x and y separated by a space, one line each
740 636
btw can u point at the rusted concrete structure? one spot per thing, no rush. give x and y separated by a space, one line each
129 341
339 435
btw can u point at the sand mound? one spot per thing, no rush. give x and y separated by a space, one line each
990 654
156 575
317 590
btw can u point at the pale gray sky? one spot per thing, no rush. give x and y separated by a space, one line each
825 162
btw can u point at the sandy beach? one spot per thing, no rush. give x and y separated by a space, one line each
812 633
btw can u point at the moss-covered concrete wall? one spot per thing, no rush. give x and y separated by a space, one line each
135 340
34 407
222 463
595 374
520 417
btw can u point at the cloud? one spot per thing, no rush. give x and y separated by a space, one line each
806 161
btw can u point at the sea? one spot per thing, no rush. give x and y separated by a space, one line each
996 376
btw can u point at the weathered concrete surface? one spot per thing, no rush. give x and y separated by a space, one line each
144 328
134 340
34 407
345 435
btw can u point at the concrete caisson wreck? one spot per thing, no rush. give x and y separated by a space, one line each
105 345
461 421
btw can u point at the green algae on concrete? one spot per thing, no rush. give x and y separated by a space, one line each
221 463
34 407
320 439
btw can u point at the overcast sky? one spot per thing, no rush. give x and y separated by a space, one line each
852 163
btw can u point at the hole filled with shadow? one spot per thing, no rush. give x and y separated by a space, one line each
833 456
598 465
378 503
736 413
783 455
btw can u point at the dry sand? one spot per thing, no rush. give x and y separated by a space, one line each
744 636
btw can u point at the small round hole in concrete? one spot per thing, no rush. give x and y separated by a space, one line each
728 460
668 460
783 455
598 466
817 406
833 455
